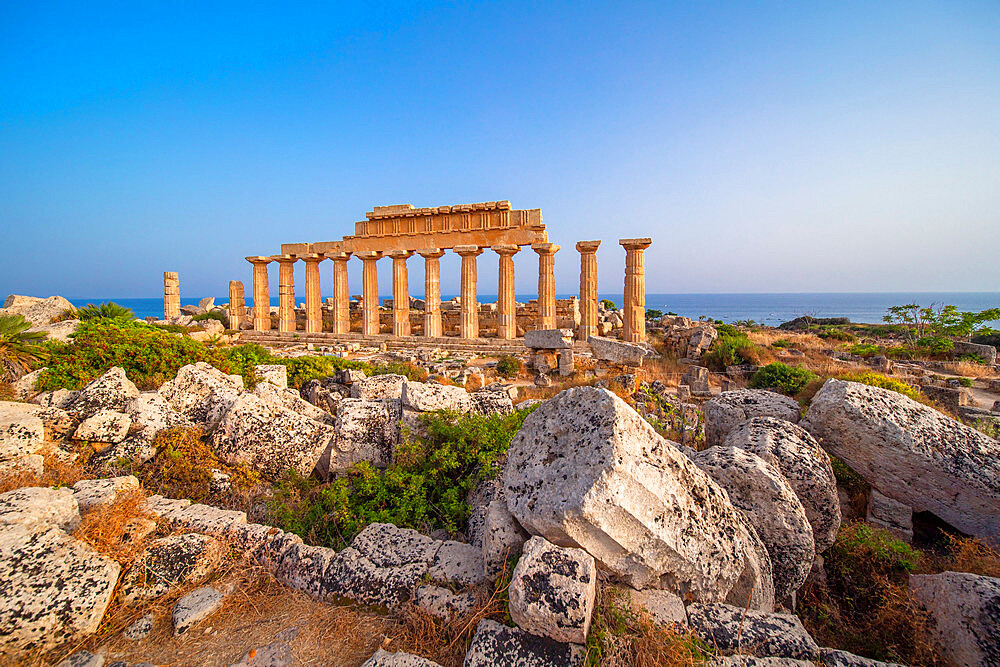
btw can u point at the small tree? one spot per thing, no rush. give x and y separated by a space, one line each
653 314
608 304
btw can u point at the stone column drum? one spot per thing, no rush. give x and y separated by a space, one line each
400 293
261 294
237 305
469 322
369 292
314 298
506 310
546 284
341 293
588 288
634 314
171 295
286 292
432 291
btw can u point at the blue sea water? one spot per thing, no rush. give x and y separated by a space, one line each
769 309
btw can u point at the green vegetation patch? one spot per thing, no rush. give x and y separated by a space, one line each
19 348
884 382
732 347
789 380
508 367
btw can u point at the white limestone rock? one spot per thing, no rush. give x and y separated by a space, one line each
111 391
104 426
55 588
443 603
831 657
274 374
733 629
587 471
488 402
495 644
22 431
323 394
664 607
289 398
548 339
40 505
32 464
84 659
24 387
150 413
965 614
502 539
36 310
269 437
91 493
60 331
140 629
762 493
887 513
169 562
60 398
731 408
803 463
912 454
366 430
379 387
397 659
552 591
618 352
195 606
457 563
430 396
202 393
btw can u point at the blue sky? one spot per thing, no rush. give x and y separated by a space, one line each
764 146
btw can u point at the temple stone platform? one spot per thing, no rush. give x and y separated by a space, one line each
482 346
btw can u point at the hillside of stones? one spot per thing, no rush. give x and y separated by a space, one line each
641 486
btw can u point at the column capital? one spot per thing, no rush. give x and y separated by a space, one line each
258 259
368 254
506 249
636 244
588 246
468 250
311 257
337 256
545 248
399 254
284 259
430 253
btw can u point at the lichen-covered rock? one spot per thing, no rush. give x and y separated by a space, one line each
731 408
195 606
552 591
495 644
775 512
24 387
140 629
104 426
22 431
111 391
324 394
831 657
202 393
548 339
60 331
487 402
664 607
912 454
55 588
39 311
443 603
40 504
170 562
398 659
366 430
733 629
151 413
458 563
270 437
273 374
60 398
87 659
965 614
90 493
502 539
618 352
379 387
289 398
890 514
430 396
587 471
803 463
32 464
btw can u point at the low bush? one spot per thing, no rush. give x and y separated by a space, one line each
782 343
936 345
865 349
730 348
508 367
608 304
212 315
653 314
789 380
901 352
108 310
832 333
965 382
19 348
878 380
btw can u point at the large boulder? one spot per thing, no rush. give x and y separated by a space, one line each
366 430
202 393
502 539
104 426
289 398
40 504
552 591
495 644
965 615
912 453
379 387
150 413
91 493
55 588
60 331
270 437
22 431
736 630
170 562
430 396
548 339
587 471
489 402
111 391
324 394
618 352
760 490
731 408
803 463
36 310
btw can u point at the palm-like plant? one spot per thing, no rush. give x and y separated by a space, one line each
109 310
19 347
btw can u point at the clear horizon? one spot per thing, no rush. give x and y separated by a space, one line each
845 148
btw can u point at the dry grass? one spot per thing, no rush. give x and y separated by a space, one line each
58 471
105 527
968 369
965 554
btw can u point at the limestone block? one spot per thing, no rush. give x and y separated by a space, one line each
502 539
664 607
443 603
987 353
349 376
36 310
458 563
324 395
548 339
140 629
398 659
200 518
202 393
617 352
40 505
429 396
552 591
90 493
379 387
731 629
151 413
366 430
276 654
567 365
21 430
731 408
32 464
170 562
104 426
912 454
291 400
486 402
495 644
56 588
963 610
111 391
25 386
276 374
830 657
85 659
544 361
195 606
894 516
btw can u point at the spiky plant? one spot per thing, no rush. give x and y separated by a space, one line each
19 348
109 310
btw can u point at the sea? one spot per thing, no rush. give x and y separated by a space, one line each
767 309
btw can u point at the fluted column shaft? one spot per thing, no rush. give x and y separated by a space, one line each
469 322
369 292
237 305
400 293
314 298
286 292
261 294
432 291
171 295
634 317
588 288
341 293
546 284
506 313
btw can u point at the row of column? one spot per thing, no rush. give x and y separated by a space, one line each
634 307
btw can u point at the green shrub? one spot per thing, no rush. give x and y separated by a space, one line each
874 379
782 343
865 349
653 314
935 345
836 334
508 367
19 348
789 380
972 358
900 352
965 382
608 304
212 315
730 348
109 310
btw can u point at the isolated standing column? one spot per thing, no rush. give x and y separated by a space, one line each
369 292
261 294
546 284
432 291
171 295
286 292
237 305
341 293
314 299
400 293
469 322
635 289
588 288
506 313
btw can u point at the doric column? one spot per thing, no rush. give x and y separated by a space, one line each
286 292
171 295
237 305
588 288
369 292
469 324
314 298
261 294
400 293
546 284
432 291
506 313
341 293
635 290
